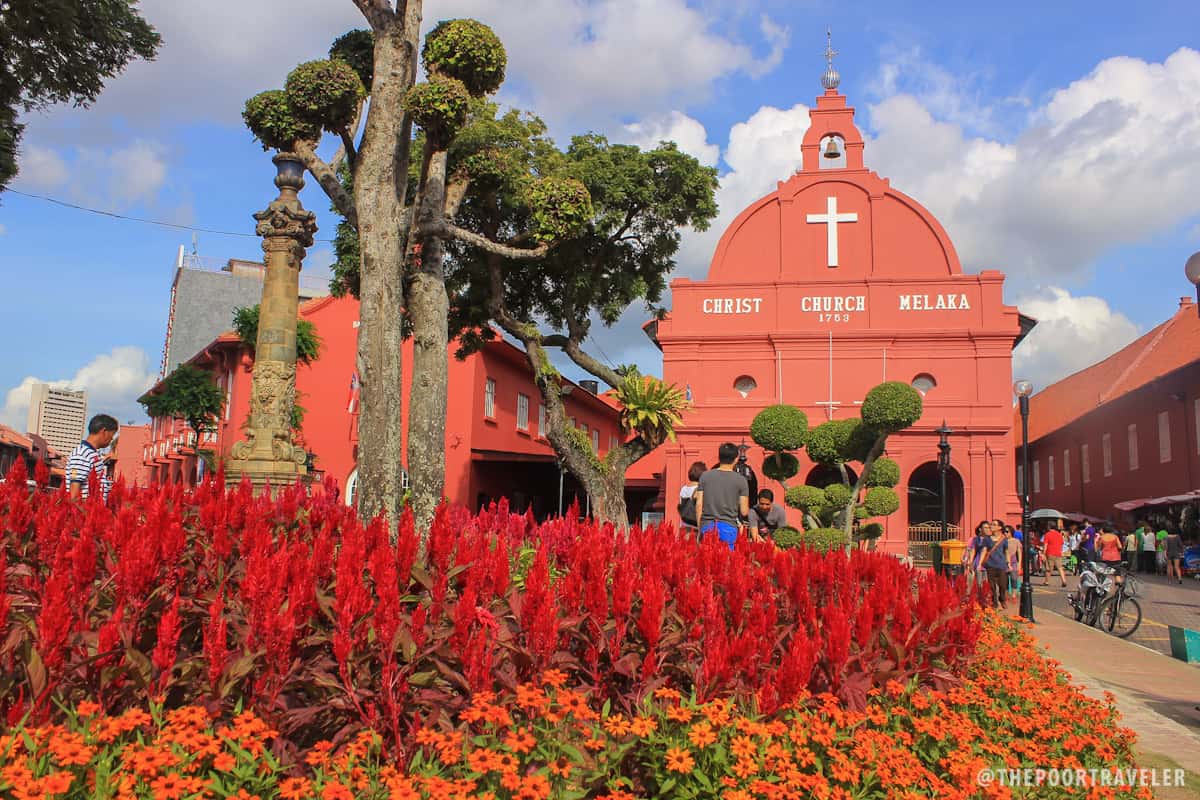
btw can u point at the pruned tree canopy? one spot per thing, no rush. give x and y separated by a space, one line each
188 393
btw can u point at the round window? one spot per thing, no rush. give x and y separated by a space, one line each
923 383
745 385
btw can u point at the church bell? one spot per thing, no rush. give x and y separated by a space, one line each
831 149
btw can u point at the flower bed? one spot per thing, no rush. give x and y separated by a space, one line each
1014 709
291 608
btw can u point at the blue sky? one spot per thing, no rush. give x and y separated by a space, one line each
1059 142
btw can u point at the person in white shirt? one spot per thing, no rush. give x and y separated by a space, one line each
86 459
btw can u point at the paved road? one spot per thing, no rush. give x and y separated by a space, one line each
1163 603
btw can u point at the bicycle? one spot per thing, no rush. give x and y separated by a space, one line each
1120 614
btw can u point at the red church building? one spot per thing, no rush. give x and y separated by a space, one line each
1123 433
495 423
831 284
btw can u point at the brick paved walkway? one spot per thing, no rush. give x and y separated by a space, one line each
1156 695
1163 603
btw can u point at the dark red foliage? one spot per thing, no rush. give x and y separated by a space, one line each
291 607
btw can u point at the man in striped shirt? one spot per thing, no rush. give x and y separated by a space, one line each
86 459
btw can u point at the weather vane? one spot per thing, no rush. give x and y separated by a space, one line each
830 79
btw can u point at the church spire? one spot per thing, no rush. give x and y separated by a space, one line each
831 78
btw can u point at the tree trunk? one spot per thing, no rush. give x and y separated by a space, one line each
380 185
428 310
606 491
855 490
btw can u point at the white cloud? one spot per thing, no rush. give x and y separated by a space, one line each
676 127
1073 332
114 381
116 177
40 168
1109 160
595 60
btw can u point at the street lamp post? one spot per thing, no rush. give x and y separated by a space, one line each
1192 270
1023 389
943 463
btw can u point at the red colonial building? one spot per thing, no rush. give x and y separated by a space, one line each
1122 431
495 442
821 290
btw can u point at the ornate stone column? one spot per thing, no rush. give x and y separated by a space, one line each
267 455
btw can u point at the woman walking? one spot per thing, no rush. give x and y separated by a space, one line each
1174 552
997 566
687 500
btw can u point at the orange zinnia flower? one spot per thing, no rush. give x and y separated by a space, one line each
702 735
87 708
561 766
554 678
680 760
295 789
643 726
520 741
336 791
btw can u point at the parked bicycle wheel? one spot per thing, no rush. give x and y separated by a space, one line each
1120 616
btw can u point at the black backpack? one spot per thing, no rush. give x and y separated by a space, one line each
687 510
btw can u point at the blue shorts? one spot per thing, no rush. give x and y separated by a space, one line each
726 532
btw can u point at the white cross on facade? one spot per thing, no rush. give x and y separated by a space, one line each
831 219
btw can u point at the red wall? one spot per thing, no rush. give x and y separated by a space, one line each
329 430
1152 478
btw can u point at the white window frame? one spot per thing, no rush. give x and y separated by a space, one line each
1066 467
1050 473
613 444
596 440
522 412
228 394
541 421
1085 466
1164 437
1037 482
1131 435
489 398
1106 447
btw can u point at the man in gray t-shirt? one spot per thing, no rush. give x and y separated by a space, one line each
766 515
723 497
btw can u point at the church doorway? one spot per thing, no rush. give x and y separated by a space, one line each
925 509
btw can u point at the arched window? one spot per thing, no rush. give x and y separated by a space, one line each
924 382
744 385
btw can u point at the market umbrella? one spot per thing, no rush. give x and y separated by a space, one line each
1047 513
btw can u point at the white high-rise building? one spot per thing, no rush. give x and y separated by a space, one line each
58 415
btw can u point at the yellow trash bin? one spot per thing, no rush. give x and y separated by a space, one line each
952 553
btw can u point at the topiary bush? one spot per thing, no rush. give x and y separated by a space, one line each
870 531
823 540
808 499
780 466
787 537
884 472
837 495
891 406
780 428
468 51
324 93
880 501
562 208
269 117
829 442
357 48
439 106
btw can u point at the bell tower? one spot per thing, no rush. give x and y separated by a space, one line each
832 124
